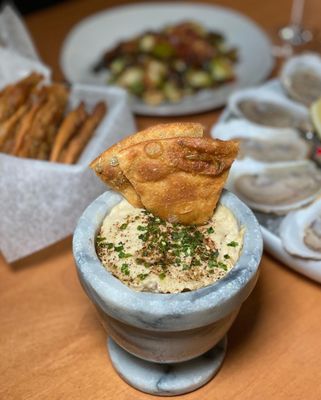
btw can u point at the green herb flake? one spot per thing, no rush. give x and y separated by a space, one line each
120 247
210 230
142 276
222 265
162 276
125 269
101 241
212 264
226 256
233 244
122 254
123 227
143 237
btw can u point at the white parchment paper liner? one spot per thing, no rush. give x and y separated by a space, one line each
41 201
14 34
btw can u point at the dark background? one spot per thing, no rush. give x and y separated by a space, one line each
25 6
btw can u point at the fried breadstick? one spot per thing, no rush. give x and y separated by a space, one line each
15 95
69 126
77 144
46 121
8 127
25 125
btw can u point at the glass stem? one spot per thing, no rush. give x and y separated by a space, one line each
297 12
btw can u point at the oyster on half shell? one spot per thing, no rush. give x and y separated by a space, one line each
300 232
262 143
276 188
265 108
301 78
274 150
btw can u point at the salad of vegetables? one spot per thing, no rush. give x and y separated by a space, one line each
166 65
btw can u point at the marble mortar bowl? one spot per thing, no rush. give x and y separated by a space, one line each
166 344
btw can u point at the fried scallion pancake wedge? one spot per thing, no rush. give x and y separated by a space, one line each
107 167
179 179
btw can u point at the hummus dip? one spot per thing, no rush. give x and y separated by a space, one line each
152 255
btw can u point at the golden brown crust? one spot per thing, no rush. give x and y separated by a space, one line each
67 129
179 179
8 127
106 164
77 143
31 116
13 96
24 128
44 123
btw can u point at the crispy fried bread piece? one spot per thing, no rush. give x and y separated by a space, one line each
107 167
79 141
45 123
15 95
67 129
8 128
179 179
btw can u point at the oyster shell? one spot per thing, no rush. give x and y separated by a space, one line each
300 232
276 188
264 107
273 150
264 144
301 78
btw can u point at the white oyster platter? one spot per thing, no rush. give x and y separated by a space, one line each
278 172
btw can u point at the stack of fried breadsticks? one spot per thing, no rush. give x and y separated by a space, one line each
33 123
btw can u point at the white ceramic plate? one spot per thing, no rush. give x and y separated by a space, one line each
89 39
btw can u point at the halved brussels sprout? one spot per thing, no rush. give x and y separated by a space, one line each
147 42
117 66
198 79
221 69
131 76
172 92
153 97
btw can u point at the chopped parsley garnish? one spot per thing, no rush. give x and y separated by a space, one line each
142 276
164 245
222 265
170 244
100 239
125 269
162 276
233 244
122 254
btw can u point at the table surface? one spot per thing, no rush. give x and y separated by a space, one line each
51 343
